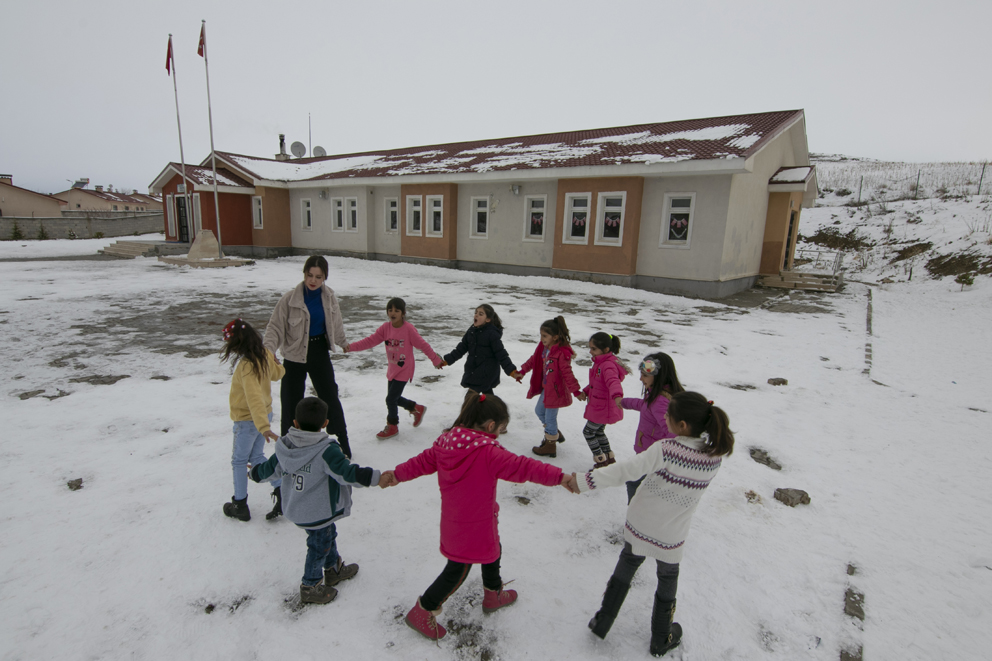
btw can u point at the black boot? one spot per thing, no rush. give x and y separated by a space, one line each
277 499
665 634
238 509
613 598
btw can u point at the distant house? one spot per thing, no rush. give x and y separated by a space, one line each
98 199
234 198
697 207
21 202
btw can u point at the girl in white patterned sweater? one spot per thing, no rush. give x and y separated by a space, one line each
676 472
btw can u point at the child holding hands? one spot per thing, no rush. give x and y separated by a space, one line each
552 380
603 396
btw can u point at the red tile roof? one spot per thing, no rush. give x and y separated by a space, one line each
205 176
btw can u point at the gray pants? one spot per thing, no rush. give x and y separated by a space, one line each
668 574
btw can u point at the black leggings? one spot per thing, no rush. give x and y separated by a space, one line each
451 579
395 399
321 372
668 574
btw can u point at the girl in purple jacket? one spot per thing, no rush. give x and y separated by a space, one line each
552 381
661 381
603 396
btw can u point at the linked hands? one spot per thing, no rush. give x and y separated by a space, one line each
581 396
570 482
618 401
270 436
388 479
517 375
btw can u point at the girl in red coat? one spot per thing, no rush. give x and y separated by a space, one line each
469 461
552 380
603 396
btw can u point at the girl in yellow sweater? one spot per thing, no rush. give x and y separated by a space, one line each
253 367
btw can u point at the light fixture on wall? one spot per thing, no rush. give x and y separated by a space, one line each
516 189
323 194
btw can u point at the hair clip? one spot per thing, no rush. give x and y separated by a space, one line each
229 329
710 402
648 367
482 397
705 436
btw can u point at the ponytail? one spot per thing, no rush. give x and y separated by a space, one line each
479 408
604 341
705 421
556 328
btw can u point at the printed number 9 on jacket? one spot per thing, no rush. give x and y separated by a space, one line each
299 482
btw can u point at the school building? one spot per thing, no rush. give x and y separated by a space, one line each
699 207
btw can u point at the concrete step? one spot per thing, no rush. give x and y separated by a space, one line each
810 281
128 249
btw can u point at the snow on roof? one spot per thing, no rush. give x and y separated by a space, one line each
791 175
205 176
736 136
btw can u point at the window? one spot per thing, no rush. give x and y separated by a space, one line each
197 218
256 212
676 226
576 223
337 214
306 215
535 213
171 213
413 211
115 207
609 224
392 214
435 218
479 218
352 219
126 208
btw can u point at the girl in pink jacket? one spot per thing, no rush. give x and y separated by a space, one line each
603 396
469 461
552 381
401 338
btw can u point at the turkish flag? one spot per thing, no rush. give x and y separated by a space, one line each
203 40
168 57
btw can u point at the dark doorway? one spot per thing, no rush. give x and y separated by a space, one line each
788 240
182 219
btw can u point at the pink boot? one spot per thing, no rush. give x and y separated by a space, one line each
496 599
388 432
425 623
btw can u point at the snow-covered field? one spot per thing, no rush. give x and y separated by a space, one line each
896 462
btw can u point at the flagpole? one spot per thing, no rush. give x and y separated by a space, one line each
182 157
213 154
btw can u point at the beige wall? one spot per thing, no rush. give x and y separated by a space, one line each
379 239
504 243
323 236
16 201
780 209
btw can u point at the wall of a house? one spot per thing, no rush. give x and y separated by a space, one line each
444 247
276 218
323 235
15 201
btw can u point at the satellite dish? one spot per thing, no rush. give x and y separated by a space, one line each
298 149
318 151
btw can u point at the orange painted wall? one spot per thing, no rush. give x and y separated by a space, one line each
780 206
590 257
276 230
430 247
235 213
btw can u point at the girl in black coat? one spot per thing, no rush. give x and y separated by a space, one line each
484 345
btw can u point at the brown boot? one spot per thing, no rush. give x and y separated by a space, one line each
546 449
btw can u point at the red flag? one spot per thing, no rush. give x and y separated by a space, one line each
168 57
203 40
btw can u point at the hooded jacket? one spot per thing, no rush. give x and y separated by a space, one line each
604 386
484 345
316 478
468 464
288 330
561 383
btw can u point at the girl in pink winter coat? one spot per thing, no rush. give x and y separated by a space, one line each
551 381
469 461
603 396
401 338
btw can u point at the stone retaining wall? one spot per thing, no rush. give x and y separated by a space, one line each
84 225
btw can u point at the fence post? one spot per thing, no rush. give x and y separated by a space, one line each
982 178
862 185
916 190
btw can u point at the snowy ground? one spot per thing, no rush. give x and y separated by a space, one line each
894 461
65 248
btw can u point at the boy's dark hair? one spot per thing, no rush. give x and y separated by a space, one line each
315 260
556 328
397 304
311 413
243 342
491 315
665 378
701 416
479 408
604 341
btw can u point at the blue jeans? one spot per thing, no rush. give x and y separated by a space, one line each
248 449
548 417
322 553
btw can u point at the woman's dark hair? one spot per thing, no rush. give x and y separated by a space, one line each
701 416
604 341
491 315
244 343
478 408
311 413
665 378
397 304
556 328
315 260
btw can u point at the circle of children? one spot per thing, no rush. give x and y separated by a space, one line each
680 441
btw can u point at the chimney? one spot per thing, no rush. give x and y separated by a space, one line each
282 155
7 179
99 188
134 191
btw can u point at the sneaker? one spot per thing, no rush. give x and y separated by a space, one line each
238 509
425 623
546 449
388 432
340 573
418 414
317 594
277 509
496 599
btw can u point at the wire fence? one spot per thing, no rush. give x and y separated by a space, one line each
864 180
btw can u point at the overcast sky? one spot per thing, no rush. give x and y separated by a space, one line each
85 92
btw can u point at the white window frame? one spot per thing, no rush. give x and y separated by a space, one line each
473 232
527 214
429 216
306 214
171 215
566 232
337 214
391 206
256 212
663 241
350 214
602 210
197 217
410 199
